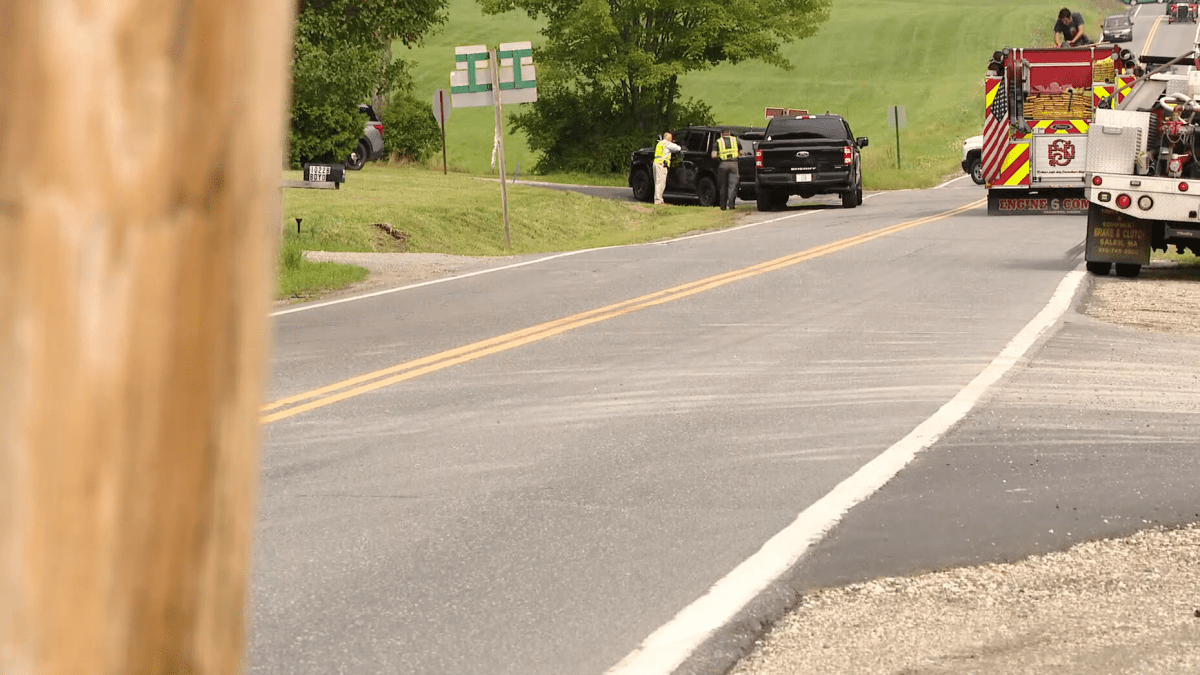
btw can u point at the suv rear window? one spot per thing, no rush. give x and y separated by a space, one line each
832 128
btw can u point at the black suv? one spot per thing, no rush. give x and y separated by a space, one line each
693 171
808 155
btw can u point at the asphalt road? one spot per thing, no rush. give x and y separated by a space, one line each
536 469
543 502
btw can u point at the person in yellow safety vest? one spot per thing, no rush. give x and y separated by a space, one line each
662 160
727 171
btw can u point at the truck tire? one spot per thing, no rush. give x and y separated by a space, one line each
1100 269
849 199
779 199
764 199
976 164
1128 270
706 190
643 185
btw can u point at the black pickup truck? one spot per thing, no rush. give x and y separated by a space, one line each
693 171
808 155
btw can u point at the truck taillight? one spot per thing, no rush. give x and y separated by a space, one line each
758 159
1097 180
847 155
1145 203
378 127
1183 187
1124 201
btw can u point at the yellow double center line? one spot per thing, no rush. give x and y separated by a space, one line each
1150 36
356 386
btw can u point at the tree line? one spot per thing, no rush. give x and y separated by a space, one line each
608 70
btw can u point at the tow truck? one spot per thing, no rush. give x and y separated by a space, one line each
1143 169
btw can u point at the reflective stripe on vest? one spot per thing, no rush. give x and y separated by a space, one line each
727 150
660 153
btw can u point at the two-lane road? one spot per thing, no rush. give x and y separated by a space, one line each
587 463
532 471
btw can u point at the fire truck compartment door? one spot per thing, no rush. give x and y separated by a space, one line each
1057 158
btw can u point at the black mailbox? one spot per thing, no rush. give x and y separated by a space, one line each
325 173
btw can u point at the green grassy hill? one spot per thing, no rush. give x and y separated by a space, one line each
926 55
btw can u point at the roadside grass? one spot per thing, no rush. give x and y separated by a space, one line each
926 55
298 278
461 214
1187 258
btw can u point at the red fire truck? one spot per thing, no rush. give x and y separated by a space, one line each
1039 103
1182 11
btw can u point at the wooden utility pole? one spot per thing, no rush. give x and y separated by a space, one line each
139 210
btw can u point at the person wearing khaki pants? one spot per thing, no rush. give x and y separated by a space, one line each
662 159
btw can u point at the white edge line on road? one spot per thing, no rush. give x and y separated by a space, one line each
669 646
952 180
364 296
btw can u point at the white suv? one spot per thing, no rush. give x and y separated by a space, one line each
972 158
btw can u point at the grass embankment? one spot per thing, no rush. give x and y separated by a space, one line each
926 55
460 214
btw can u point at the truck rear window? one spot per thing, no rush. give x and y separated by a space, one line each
830 128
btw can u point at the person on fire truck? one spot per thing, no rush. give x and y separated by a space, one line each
1068 30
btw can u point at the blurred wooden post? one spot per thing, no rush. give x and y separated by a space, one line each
140 157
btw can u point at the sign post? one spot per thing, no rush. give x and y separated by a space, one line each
896 121
511 71
495 67
441 112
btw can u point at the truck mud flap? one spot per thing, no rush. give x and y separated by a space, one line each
1040 203
1113 237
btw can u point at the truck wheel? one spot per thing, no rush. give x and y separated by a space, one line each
977 170
765 201
1128 270
1100 269
849 199
643 185
779 198
706 190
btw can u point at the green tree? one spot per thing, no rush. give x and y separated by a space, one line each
616 64
341 57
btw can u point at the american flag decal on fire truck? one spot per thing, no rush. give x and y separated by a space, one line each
995 127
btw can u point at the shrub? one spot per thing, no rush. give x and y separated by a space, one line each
410 129
588 132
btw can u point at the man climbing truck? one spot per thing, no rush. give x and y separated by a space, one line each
1143 172
1038 105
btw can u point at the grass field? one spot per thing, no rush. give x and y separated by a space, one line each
926 55
461 214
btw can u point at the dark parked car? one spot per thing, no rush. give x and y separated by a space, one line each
693 170
808 155
370 146
1117 28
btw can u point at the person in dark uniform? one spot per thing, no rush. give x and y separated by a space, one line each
727 171
1068 30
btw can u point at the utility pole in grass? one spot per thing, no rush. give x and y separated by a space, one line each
896 121
137 247
512 78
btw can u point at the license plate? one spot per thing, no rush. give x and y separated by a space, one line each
804 178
